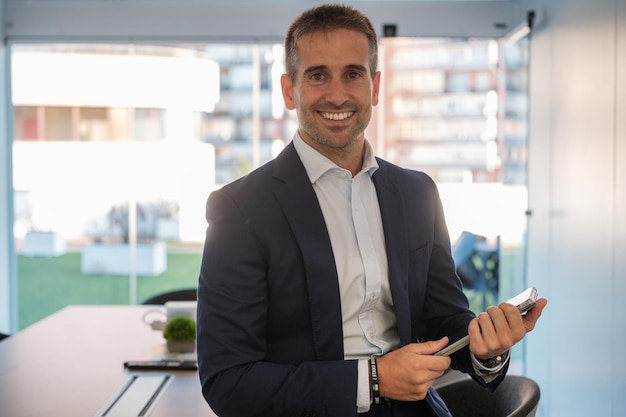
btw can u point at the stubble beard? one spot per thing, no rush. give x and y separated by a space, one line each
338 140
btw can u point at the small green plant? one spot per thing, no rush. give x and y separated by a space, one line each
180 329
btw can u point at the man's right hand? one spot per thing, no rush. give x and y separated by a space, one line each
407 373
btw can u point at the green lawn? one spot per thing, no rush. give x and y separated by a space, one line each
46 285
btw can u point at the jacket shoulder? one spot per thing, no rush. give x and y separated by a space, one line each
397 173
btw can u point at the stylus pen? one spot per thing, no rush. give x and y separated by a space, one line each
450 349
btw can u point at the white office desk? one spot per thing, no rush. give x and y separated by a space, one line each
71 364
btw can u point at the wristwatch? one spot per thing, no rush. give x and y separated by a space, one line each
495 361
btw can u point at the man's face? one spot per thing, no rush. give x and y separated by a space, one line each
333 92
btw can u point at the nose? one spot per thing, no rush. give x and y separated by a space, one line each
336 92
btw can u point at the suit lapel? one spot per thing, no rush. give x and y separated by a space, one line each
393 215
297 198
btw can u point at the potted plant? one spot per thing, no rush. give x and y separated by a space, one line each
180 334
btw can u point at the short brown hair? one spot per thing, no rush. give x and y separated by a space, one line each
326 18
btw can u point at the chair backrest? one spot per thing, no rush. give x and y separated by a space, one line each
516 396
188 294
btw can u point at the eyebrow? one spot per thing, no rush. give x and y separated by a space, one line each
317 68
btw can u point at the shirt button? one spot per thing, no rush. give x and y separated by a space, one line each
372 297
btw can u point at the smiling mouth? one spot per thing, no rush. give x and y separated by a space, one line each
337 116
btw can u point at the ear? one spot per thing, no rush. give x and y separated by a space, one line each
287 87
376 88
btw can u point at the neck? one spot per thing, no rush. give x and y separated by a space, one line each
349 157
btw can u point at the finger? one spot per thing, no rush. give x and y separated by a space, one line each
424 355
430 347
509 329
507 319
477 340
500 315
530 318
510 311
515 321
473 329
487 326
494 331
508 324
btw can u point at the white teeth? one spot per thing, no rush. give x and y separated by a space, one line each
337 116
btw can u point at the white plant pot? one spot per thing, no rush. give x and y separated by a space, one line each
46 244
181 347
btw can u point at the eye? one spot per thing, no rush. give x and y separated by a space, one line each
317 76
354 75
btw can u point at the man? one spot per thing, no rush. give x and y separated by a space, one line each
327 282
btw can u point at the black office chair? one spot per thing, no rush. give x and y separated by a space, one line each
3 336
188 294
516 396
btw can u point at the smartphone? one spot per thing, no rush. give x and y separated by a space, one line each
524 301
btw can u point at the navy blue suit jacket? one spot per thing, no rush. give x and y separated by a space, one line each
270 339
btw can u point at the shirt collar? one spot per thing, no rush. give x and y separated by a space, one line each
317 164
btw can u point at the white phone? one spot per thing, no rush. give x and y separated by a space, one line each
524 301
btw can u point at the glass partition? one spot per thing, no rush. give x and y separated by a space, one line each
118 147
456 109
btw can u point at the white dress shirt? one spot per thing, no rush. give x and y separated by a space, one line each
369 323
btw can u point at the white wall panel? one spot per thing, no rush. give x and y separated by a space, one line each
577 194
618 378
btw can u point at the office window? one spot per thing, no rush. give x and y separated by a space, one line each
105 131
456 109
121 143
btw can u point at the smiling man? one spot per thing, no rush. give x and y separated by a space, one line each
333 89
327 282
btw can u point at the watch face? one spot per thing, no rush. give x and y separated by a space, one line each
493 362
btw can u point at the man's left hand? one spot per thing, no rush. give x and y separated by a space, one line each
499 328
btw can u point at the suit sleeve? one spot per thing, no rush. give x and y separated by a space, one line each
438 305
446 293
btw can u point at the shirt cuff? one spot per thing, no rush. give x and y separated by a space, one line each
363 387
489 374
